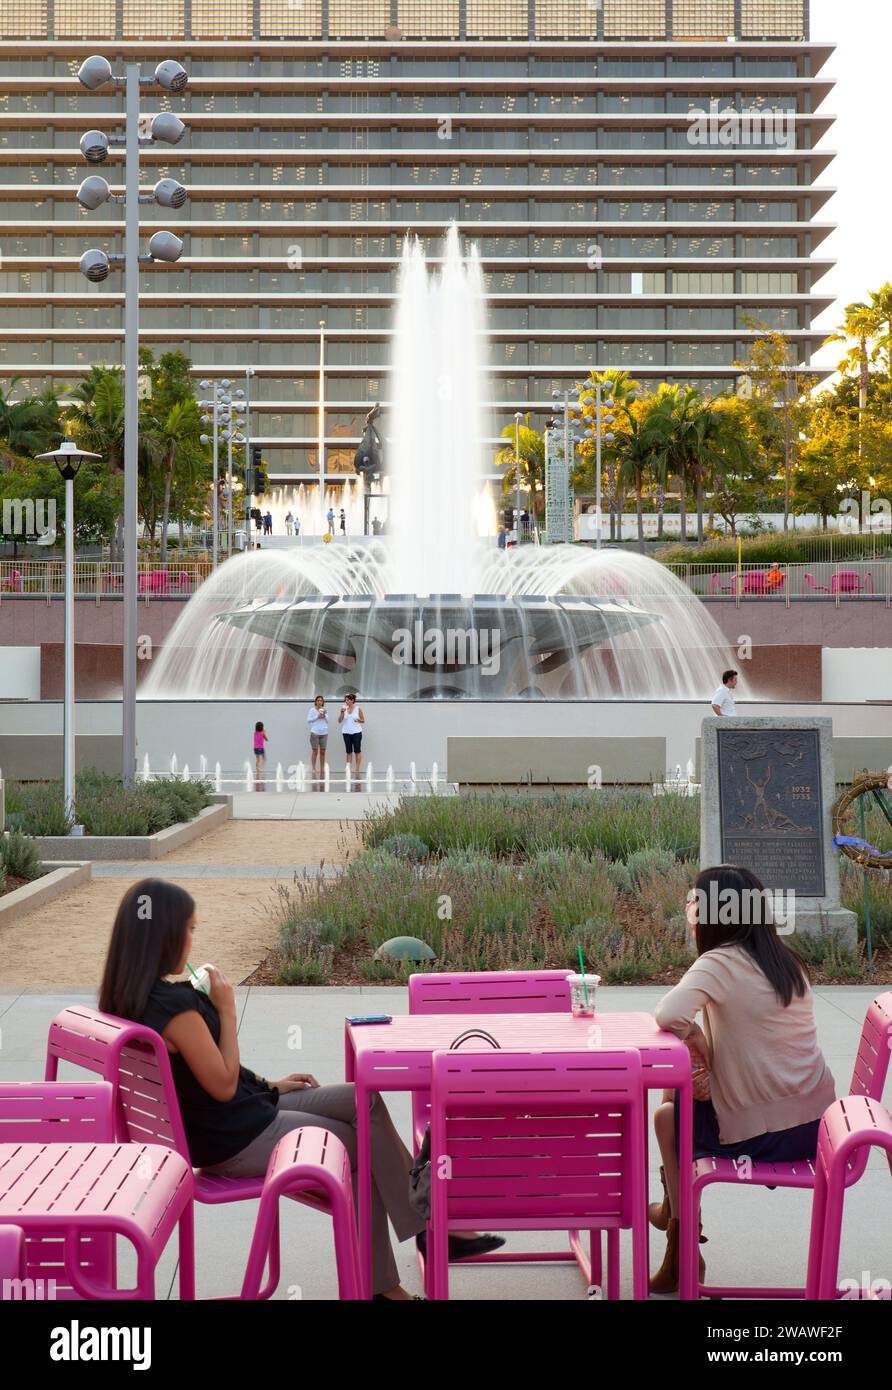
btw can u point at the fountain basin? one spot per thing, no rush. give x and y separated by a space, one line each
438 646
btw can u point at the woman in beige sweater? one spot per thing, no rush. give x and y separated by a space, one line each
760 1080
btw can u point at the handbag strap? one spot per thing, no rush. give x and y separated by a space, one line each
480 1033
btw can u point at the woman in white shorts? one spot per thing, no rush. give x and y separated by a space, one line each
317 718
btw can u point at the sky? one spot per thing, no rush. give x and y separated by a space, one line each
862 31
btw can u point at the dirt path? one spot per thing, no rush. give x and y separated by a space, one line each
62 945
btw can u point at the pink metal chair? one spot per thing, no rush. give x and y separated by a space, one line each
134 1059
483 992
537 1141
72 1190
314 1161
849 1129
868 1080
499 992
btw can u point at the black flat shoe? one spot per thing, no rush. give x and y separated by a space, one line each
464 1249
382 1298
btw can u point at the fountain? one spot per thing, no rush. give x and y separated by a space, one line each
433 609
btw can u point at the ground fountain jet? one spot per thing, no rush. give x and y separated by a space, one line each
433 609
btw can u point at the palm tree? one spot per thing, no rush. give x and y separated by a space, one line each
636 451
28 426
677 426
621 387
861 324
532 460
178 433
97 423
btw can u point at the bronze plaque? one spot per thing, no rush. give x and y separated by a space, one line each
771 806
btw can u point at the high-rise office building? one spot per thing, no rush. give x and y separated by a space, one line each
625 218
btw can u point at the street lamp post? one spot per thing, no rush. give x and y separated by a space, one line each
68 459
601 403
321 435
517 419
249 372
226 409
167 128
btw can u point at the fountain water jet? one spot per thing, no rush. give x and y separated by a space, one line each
433 610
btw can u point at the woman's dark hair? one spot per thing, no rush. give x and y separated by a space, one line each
147 943
734 909
318 697
351 695
258 727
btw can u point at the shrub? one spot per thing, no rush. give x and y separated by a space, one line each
644 863
19 857
105 806
37 809
406 846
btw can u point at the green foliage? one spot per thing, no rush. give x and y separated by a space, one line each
405 846
790 549
510 824
19 857
105 806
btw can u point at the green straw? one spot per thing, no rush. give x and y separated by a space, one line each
204 991
581 971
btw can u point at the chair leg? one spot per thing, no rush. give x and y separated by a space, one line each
346 1249
186 1236
831 1237
816 1237
596 1272
613 1264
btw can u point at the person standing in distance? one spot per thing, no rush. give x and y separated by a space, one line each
317 718
723 700
351 720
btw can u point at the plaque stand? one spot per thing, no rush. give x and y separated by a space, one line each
767 794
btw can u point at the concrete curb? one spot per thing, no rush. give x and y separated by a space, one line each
52 885
129 847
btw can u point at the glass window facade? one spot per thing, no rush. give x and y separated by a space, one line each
321 131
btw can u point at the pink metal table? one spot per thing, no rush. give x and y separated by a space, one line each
139 1191
397 1057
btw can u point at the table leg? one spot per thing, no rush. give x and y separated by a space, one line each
364 1187
688 1242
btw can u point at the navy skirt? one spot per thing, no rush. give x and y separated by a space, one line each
783 1146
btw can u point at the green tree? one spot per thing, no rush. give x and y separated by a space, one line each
532 462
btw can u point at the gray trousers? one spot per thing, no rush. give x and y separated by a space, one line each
334 1108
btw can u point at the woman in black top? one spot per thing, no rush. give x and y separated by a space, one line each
233 1118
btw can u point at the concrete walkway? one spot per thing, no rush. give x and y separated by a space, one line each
236 874
754 1235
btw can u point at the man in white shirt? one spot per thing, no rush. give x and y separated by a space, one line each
723 700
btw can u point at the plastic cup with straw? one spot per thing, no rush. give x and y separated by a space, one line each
581 1003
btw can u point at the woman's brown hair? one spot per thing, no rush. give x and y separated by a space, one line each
147 943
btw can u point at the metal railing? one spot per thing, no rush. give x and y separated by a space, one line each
100 579
839 581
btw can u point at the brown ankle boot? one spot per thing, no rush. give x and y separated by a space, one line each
658 1212
666 1278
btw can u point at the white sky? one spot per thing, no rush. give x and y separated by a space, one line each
862 31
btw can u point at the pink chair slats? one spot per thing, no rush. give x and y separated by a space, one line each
850 1128
135 1060
57 1112
868 1080
312 1162
536 1141
490 992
